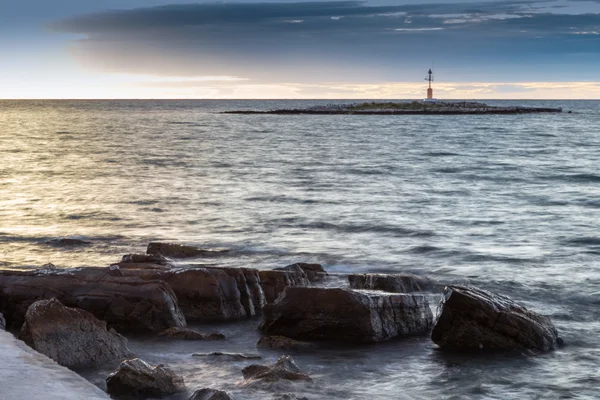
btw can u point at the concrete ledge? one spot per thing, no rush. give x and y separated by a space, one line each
27 374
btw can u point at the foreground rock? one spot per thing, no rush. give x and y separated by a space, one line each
126 304
284 343
472 319
72 337
189 334
393 283
138 379
285 368
2 322
273 282
175 250
346 315
211 394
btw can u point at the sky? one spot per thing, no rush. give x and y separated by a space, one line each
381 49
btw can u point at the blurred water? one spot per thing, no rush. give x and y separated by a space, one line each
508 202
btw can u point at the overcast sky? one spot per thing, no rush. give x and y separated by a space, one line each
289 49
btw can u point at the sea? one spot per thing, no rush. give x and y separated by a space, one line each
509 203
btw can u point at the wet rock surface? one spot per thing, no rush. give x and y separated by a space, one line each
189 334
144 261
211 394
72 337
346 315
175 250
284 369
289 397
284 343
273 282
67 242
229 356
127 304
393 283
313 272
138 379
475 320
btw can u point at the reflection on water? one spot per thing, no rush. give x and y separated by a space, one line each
504 202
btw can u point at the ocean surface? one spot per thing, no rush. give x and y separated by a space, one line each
510 203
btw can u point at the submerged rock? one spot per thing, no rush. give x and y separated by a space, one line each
290 397
72 337
67 242
136 378
189 334
229 356
285 368
127 304
394 283
284 343
346 315
472 319
211 394
313 272
175 250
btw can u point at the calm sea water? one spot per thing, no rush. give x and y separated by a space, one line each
509 203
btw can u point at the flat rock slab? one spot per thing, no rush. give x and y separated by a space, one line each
27 374
312 313
472 319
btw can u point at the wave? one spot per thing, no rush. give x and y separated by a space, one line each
575 178
394 230
583 241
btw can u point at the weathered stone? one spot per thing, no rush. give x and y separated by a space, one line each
346 315
313 272
273 282
284 343
211 394
472 319
67 242
72 337
175 250
138 379
229 356
126 304
2 322
394 283
189 334
285 368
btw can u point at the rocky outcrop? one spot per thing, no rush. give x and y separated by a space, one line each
346 315
472 319
126 304
273 282
285 368
313 272
394 283
67 242
2 322
189 334
229 356
138 379
72 337
211 394
284 343
175 250
145 261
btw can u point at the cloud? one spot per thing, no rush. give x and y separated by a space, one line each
347 41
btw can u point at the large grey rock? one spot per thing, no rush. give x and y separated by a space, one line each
211 394
127 304
72 337
138 379
2 322
175 250
285 368
472 319
346 315
394 283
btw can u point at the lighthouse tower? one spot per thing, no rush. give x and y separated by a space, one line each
430 97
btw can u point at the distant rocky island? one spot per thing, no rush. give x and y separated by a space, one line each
405 108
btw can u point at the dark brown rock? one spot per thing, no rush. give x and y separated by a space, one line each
273 282
138 379
175 250
72 337
189 334
144 261
393 283
313 272
472 319
229 356
346 315
283 343
67 242
285 368
127 304
211 394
